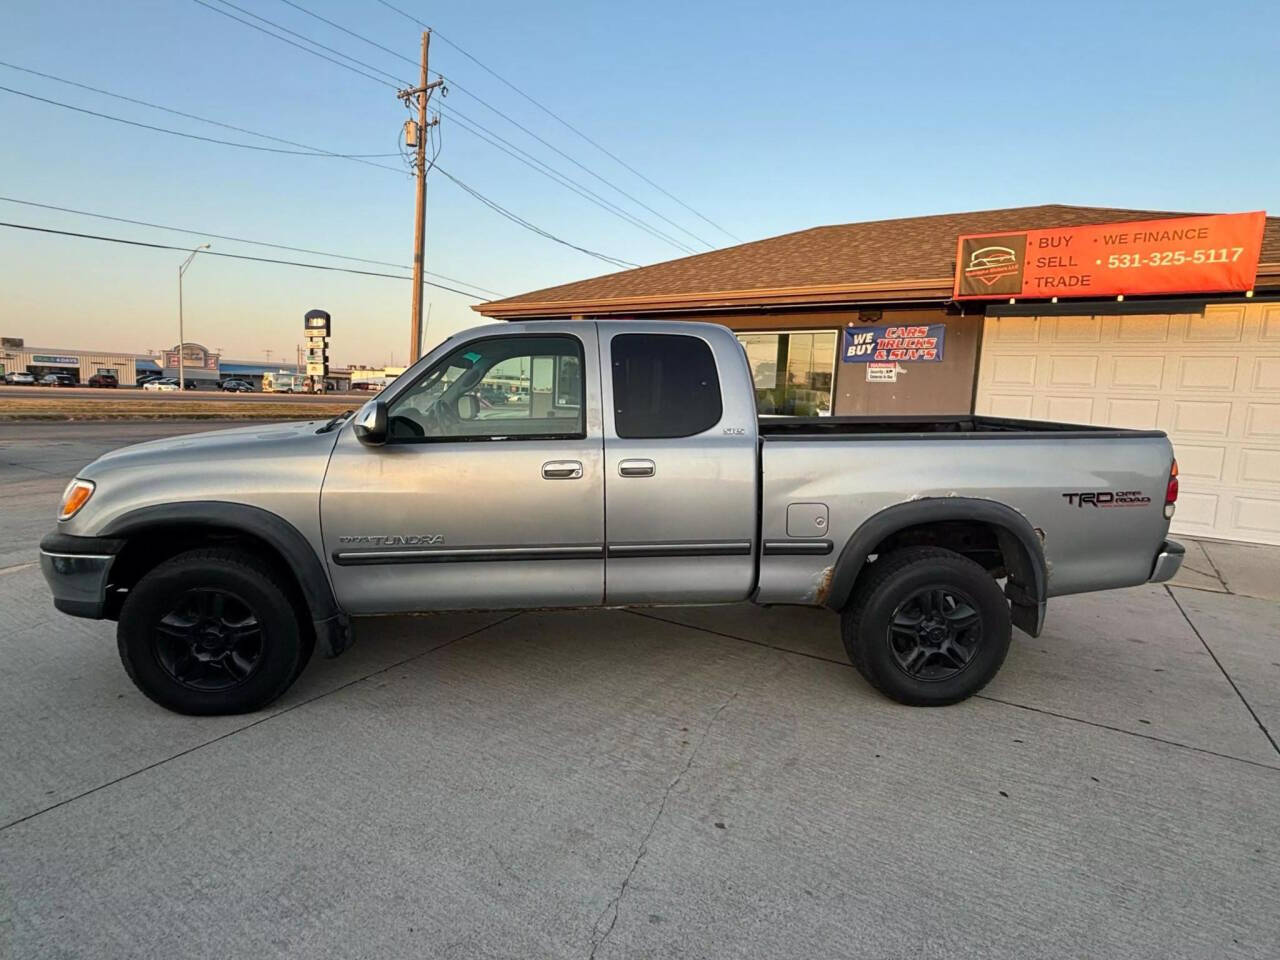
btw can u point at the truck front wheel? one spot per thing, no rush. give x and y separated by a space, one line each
212 631
927 627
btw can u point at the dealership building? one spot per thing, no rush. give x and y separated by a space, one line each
1133 318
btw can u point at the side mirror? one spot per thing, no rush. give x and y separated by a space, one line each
371 423
468 406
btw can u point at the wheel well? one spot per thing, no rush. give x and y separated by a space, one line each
151 546
980 542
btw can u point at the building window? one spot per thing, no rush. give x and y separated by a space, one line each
794 373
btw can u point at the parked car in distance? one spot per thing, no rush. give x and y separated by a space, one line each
932 536
169 383
235 386
19 378
58 380
104 380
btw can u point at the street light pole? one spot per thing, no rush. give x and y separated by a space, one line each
182 371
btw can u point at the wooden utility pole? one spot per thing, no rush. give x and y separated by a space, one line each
423 94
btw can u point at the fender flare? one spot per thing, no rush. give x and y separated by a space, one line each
330 623
1028 584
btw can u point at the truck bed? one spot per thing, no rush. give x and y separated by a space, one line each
855 467
924 427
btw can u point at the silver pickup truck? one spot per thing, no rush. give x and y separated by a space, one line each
612 464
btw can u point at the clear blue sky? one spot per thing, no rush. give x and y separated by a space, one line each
766 117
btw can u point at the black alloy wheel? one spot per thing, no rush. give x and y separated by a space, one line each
210 640
934 633
926 626
214 630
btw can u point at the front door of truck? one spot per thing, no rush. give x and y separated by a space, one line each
680 471
489 490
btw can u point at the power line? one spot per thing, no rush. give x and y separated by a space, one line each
552 147
256 243
312 151
509 148
314 43
192 116
551 113
350 33
189 136
514 218
233 256
577 187
292 43
489 106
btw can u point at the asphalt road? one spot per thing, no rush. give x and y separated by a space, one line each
674 783
207 393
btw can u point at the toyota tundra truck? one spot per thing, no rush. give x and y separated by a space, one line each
587 464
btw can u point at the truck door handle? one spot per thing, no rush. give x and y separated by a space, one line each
562 470
636 468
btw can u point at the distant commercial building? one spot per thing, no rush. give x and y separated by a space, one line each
200 364
253 372
15 355
358 374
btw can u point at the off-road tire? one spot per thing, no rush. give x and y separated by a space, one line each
287 638
887 584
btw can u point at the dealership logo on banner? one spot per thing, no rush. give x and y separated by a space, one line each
891 344
993 265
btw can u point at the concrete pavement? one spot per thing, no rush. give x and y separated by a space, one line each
712 782
1222 566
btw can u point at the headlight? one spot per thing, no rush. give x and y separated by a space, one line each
74 497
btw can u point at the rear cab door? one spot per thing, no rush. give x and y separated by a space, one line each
680 464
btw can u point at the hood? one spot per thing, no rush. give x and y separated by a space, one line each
219 447
277 467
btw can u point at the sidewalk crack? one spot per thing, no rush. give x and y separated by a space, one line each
1196 630
1216 572
613 907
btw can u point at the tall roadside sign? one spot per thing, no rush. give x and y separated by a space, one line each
315 327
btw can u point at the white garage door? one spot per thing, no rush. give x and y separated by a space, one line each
1211 382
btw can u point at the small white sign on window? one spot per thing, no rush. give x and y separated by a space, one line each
882 373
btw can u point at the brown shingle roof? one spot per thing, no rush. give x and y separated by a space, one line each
911 257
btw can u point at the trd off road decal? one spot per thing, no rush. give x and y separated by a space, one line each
1108 498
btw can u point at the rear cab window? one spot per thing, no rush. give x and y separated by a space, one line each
664 386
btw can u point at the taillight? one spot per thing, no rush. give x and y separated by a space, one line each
1171 491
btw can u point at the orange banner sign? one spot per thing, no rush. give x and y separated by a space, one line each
1213 254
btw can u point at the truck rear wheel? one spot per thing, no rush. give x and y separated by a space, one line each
927 627
212 631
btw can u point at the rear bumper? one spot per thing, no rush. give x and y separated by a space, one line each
1167 561
76 569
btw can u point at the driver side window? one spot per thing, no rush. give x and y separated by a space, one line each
501 388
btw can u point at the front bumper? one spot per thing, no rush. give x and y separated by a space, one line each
1167 562
76 569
